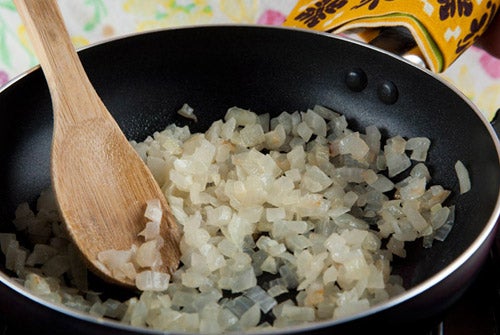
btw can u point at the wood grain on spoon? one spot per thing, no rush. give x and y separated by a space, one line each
100 182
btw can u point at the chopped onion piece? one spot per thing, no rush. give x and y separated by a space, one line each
261 297
463 177
239 305
152 281
419 147
152 230
188 112
154 210
443 232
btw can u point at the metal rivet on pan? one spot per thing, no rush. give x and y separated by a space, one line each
356 80
388 92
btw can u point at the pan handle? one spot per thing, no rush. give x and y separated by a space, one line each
443 30
399 41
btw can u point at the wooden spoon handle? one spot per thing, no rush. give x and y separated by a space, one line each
66 78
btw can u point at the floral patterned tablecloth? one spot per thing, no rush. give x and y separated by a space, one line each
476 73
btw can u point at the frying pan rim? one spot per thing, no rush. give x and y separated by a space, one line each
407 295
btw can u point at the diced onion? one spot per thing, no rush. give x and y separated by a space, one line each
463 177
299 197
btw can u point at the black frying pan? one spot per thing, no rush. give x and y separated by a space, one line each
144 79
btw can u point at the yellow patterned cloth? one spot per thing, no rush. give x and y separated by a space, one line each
443 29
475 73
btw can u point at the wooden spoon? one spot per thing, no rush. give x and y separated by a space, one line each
100 182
